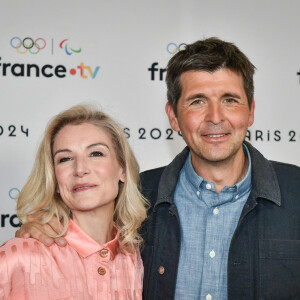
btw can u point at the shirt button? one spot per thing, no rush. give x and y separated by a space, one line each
103 252
237 196
208 186
161 270
212 253
208 297
101 270
171 213
216 211
198 193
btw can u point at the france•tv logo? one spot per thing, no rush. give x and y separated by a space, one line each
7 219
172 48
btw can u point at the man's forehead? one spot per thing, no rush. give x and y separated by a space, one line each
220 82
208 72
199 77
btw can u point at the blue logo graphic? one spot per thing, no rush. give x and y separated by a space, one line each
173 48
14 193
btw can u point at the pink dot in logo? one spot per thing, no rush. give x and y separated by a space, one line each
72 71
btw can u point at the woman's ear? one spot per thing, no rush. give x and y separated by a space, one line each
57 189
123 176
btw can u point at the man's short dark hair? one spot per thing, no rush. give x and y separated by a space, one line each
208 55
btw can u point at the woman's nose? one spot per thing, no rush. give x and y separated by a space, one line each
81 167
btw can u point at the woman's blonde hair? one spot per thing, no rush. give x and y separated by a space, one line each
39 195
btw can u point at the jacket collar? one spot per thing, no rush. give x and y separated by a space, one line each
84 245
169 178
263 178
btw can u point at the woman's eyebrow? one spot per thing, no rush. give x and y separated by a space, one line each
61 150
97 144
89 146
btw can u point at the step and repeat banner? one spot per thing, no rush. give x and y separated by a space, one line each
113 54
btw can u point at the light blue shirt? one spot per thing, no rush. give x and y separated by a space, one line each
208 221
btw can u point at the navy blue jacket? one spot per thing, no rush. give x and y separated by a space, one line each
264 254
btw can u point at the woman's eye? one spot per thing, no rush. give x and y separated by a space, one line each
96 153
63 159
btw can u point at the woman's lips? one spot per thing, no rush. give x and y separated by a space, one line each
83 187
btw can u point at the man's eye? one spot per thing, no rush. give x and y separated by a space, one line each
197 101
96 153
230 100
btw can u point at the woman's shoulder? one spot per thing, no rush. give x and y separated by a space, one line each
20 243
21 247
17 256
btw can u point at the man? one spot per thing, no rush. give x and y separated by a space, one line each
224 222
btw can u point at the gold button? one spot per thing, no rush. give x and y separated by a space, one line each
161 270
171 213
104 252
101 270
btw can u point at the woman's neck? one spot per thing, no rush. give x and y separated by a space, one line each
98 223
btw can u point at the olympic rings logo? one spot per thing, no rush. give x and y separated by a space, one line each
27 44
173 48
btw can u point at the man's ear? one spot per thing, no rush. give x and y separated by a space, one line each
251 115
172 117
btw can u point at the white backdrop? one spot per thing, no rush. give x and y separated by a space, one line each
113 44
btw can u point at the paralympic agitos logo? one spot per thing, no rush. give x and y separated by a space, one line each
34 46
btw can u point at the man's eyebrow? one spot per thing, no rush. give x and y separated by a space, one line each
203 96
194 96
233 95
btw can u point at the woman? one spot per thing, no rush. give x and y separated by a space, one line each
86 175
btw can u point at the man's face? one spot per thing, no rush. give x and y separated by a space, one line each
212 114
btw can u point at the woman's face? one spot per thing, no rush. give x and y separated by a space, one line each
86 167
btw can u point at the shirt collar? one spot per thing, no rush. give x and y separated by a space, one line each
261 169
83 244
195 180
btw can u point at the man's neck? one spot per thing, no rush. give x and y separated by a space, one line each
222 173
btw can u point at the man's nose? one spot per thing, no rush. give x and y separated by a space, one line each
214 113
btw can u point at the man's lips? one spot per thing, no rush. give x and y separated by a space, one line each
215 131
83 187
216 135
